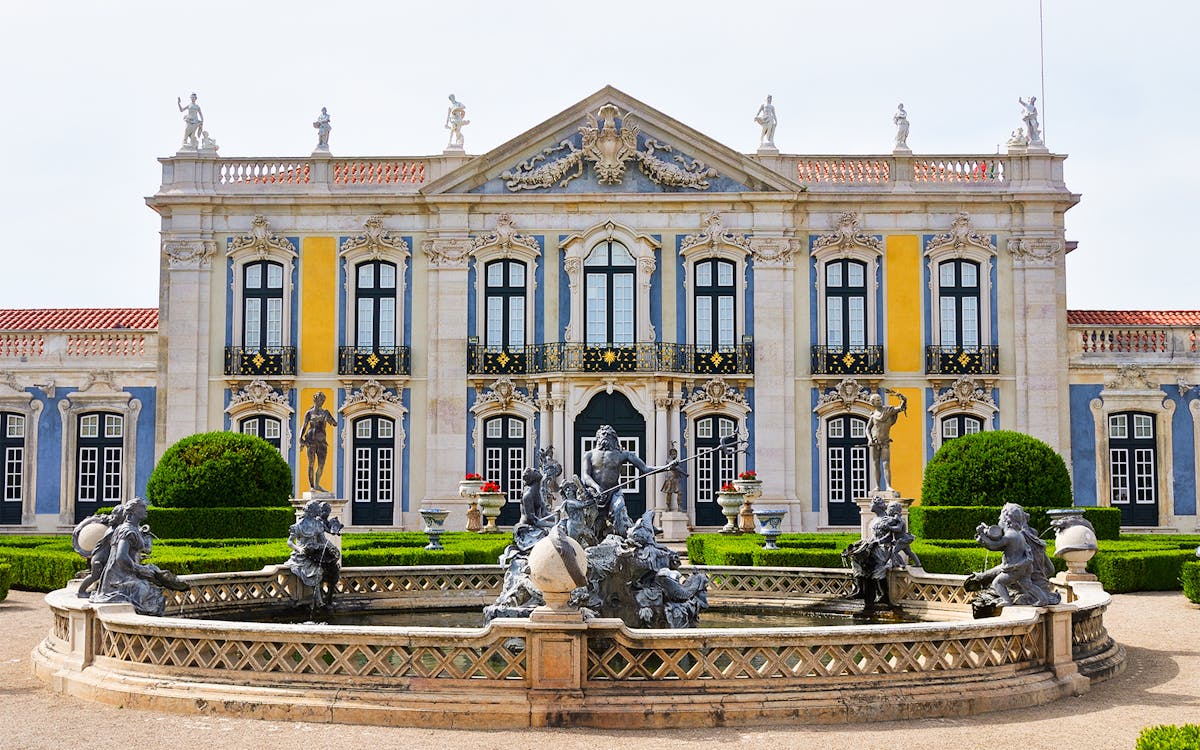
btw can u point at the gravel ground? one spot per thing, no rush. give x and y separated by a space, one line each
1160 685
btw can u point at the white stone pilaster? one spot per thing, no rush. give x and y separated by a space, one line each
182 398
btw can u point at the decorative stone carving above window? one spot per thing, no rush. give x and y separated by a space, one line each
1183 386
258 393
608 147
189 254
845 394
375 242
261 241
1131 378
712 237
371 394
449 253
772 250
504 394
964 392
1035 251
505 239
101 380
716 393
846 237
960 238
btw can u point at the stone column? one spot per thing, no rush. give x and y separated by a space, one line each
446 441
183 338
1040 327
775 375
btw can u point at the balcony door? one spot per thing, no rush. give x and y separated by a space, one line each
615 409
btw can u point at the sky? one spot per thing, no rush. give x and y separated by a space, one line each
89 100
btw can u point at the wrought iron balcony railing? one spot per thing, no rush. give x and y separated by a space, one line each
847 360
640 357
266 360
384 360
960 360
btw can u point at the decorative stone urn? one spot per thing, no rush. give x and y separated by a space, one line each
751 486
490 503
770 525
730 501
1074 541
435 525
468 489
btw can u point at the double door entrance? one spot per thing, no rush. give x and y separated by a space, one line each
615 409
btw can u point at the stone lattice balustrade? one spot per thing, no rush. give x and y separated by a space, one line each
1122 343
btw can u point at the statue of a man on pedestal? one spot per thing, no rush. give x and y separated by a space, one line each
879 436
194 120
312 437
765 117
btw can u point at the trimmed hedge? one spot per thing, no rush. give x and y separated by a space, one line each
220 470
1169 737
959 521
1190 575
1148 570
994 468
41 568
215 523
5 580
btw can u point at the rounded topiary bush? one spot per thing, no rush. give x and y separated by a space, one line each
220 470
994 468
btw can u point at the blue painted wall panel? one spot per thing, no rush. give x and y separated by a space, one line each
1183 453
1083 443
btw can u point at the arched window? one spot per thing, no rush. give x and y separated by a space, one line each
262 305
958 299
712 469
375 316
846 457
505 309
1133 467
12 476
100 445
957 425
504 461
845 304
610 275
265 427
374 484
715 310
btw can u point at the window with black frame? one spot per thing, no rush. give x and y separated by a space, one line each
100 445
715 310
958 297
262 305
504 312
845 304
12 478
610 282
267 428
374 471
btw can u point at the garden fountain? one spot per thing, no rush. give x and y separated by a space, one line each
213 653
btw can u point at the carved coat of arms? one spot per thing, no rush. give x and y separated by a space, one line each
608 146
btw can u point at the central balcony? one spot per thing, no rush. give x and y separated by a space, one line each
634 358
262 361
383 360
960 360
847 360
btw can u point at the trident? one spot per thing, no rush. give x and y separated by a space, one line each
729 445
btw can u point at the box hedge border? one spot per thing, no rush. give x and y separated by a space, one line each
5 580
959 521
1189 573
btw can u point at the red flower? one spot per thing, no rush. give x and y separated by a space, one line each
473 478
490 487
728 487
747 475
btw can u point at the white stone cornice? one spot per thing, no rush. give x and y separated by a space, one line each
960 239
448 252
261 241
189 255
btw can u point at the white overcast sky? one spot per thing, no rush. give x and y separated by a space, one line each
88 95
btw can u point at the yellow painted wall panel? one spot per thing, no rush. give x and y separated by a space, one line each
908 445
318 305
903 313
306 403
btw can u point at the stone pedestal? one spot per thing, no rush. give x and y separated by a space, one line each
674 525
866 516
338 511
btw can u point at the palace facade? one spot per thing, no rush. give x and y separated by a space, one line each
614 266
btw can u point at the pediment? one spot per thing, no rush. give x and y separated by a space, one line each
610 143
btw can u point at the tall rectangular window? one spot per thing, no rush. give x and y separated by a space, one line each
505 304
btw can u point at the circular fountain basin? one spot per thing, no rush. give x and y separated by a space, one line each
206 657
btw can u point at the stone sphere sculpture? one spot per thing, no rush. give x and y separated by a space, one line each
557 566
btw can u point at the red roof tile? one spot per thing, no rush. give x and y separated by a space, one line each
1185 318
80 319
